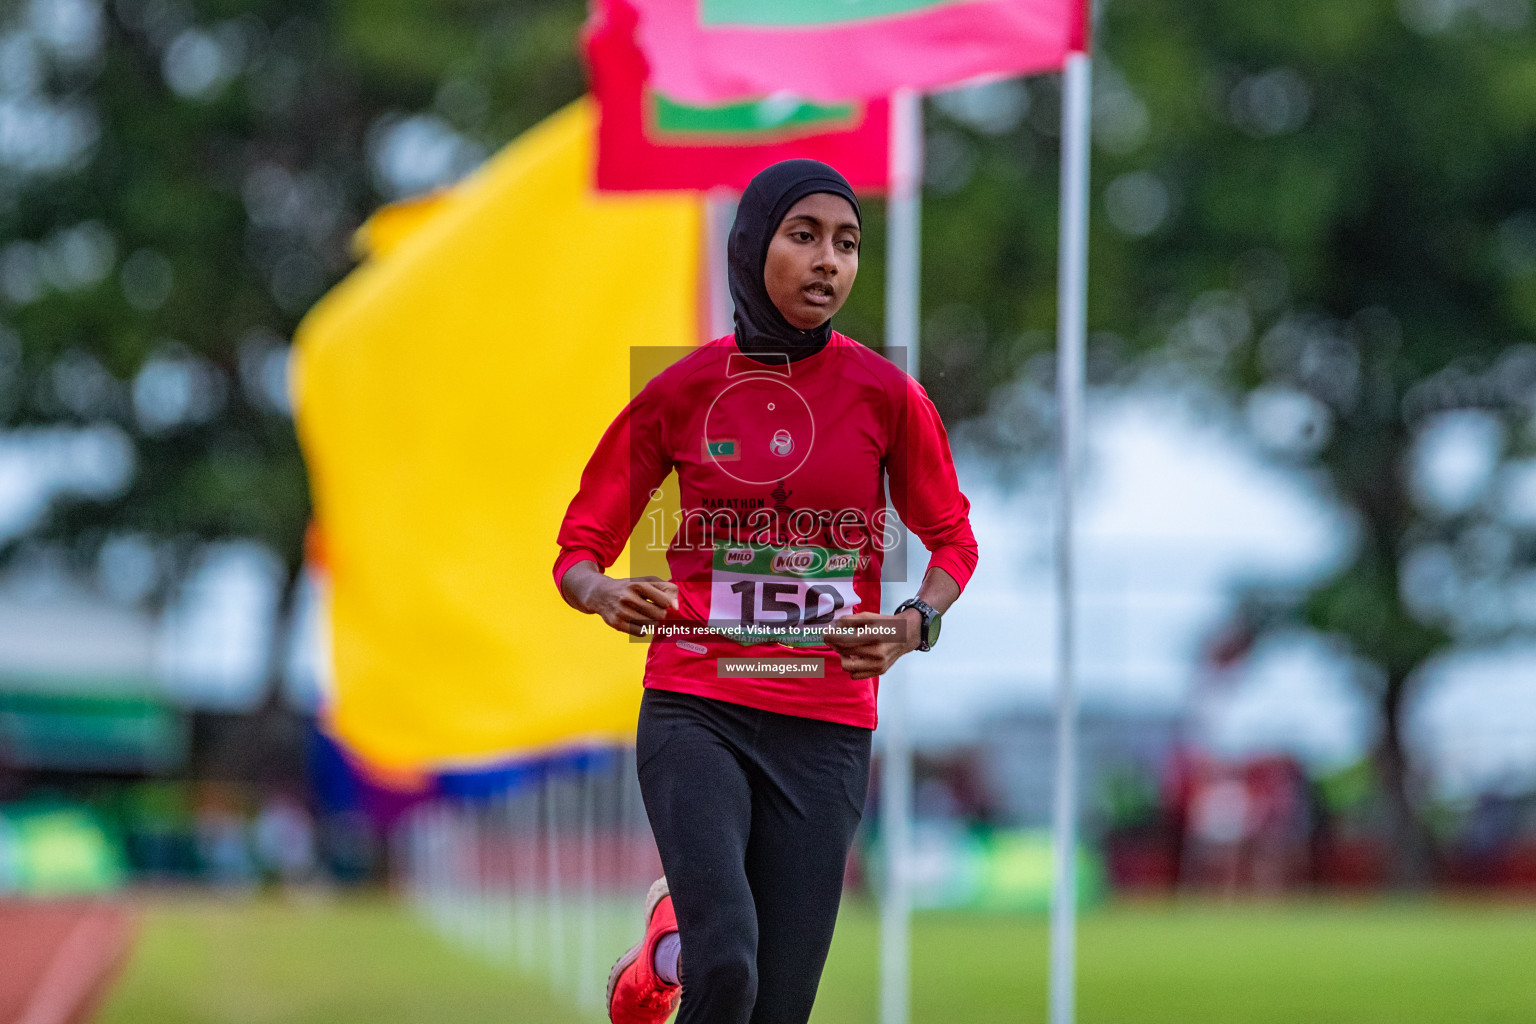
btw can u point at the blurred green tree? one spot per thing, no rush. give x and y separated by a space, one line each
1329 211
178 183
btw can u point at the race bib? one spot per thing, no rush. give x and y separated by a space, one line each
762 594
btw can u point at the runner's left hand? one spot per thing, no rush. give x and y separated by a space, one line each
868 643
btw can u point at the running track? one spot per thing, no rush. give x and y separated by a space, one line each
58 958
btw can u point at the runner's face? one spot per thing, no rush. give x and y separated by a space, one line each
813 259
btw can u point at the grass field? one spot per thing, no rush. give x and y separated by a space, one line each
369 961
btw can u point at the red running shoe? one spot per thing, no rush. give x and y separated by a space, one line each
636 994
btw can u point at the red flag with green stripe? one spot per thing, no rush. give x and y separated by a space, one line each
828 50
648 140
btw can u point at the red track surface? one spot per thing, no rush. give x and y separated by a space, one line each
58 958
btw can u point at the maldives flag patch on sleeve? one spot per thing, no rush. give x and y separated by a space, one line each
721 451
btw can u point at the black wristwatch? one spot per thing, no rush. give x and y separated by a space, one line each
931 620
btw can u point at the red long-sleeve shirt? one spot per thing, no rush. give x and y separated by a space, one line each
783 471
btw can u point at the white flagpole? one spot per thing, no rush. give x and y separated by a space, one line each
719 214
903 251
1072 292
588 977
555 894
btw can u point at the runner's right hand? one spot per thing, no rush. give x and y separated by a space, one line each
628 605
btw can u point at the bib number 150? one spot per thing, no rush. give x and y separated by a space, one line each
774 603
775 610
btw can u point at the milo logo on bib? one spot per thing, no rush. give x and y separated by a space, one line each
764 594
796 563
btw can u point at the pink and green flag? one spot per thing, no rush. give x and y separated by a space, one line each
647 140
705 51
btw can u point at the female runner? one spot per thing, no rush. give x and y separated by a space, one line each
753 744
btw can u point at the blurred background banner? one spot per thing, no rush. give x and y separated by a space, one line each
447 396
648 140
712 50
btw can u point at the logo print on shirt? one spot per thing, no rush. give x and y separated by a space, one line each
782 444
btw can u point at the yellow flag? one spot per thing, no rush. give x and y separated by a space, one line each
448 395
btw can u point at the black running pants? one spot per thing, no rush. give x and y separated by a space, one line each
753 814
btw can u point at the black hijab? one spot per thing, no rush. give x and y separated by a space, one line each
760 327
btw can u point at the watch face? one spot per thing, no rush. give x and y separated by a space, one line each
933 628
